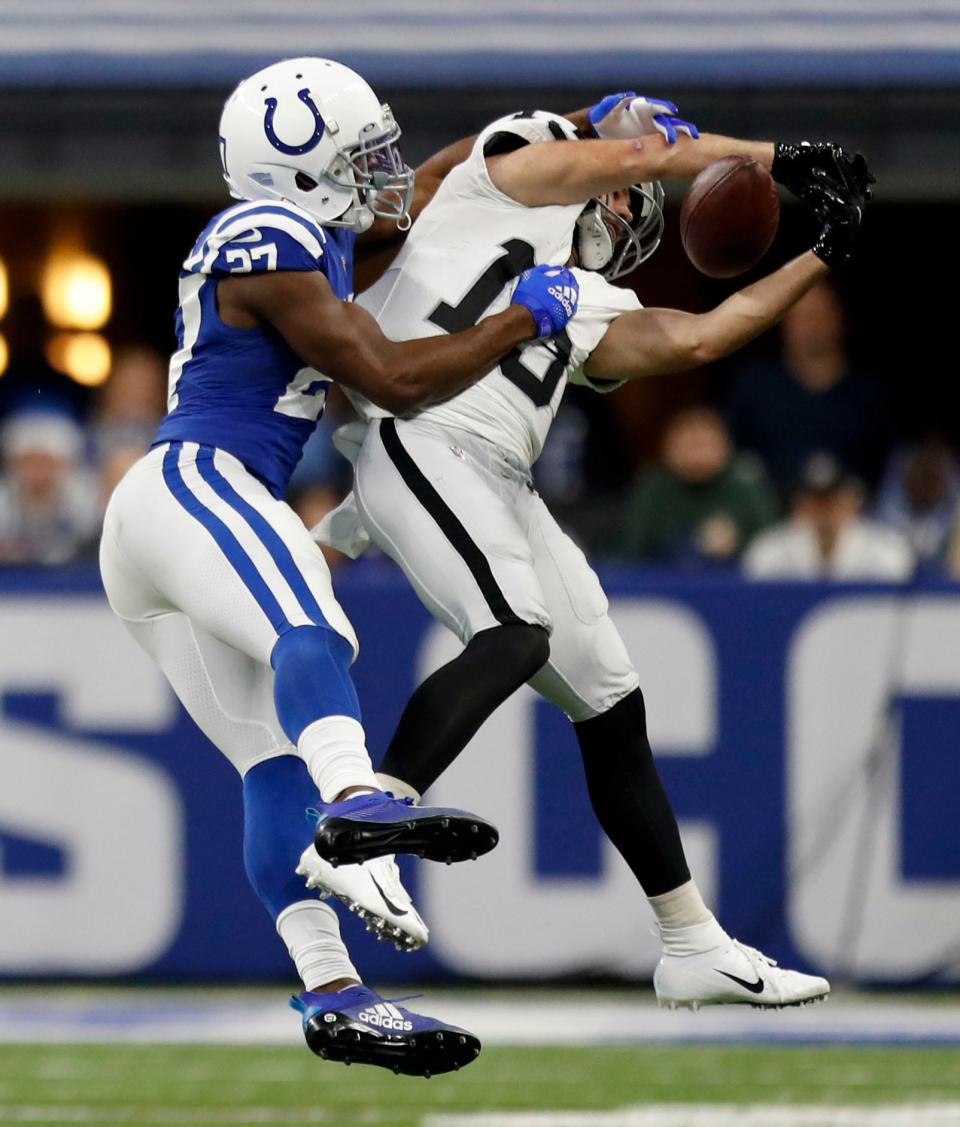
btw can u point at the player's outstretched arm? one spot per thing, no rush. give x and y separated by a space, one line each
658 341
431 174
802 168
344 342
568 172
651 342
615 112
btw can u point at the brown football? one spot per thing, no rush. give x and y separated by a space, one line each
729 217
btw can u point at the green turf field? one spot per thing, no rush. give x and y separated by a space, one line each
207 1085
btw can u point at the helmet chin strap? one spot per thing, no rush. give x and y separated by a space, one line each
594 241
357 217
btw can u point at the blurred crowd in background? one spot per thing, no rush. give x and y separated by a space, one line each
792 467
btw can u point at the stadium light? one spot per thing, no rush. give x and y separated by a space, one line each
84 357
76 290
4 289
4 355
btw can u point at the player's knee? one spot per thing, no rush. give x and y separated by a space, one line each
629 701
535 644
315 646
624 720
523 647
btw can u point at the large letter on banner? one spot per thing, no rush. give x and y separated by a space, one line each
863 674
112 819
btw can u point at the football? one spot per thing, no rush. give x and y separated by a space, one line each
729 217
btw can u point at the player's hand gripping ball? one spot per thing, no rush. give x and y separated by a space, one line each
729 217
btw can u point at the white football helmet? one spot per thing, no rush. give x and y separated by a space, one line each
311 131
607 243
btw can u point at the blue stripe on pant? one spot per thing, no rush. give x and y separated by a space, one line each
311 663
225 540
265 533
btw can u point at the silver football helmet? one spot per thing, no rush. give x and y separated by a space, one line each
311 131
607 243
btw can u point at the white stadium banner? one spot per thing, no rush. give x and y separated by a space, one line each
808 740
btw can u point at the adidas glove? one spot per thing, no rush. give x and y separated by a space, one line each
626 115
550 293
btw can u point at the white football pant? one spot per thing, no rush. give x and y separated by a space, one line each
206 568
481 549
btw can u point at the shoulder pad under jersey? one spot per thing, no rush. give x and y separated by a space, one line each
254 237
524 128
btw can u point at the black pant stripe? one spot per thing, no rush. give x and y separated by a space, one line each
448 523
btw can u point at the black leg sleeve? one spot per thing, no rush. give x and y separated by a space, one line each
446 711
628 797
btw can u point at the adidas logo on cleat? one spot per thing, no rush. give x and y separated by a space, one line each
385 1016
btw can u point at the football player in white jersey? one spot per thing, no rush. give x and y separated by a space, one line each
216 577
446 490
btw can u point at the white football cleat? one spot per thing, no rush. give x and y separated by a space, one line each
727 973
373 892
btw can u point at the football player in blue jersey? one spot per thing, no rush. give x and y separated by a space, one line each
216 577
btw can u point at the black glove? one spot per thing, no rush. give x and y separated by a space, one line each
803 167
840 214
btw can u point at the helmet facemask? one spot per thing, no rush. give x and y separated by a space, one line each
609 244
376 174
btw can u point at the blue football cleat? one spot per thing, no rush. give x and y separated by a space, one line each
372 825
357 1026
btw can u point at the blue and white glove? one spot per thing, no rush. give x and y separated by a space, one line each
626 115
551 294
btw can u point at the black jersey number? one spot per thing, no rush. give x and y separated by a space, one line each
517 256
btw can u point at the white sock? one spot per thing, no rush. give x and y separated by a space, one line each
311 932
335 752
682 906
694 940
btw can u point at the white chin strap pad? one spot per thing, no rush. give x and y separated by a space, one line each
360 218
594 242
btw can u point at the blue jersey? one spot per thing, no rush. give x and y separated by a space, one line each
245 390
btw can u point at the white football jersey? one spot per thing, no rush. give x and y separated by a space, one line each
459 264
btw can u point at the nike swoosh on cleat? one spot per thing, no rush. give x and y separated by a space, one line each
393 907
753 987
